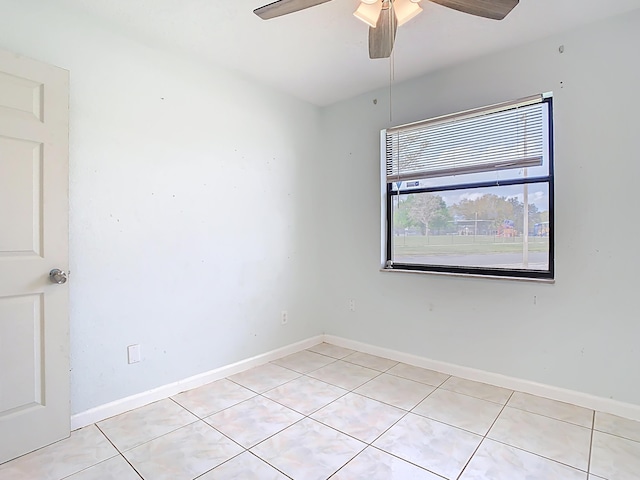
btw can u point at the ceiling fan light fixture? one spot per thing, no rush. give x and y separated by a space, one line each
384 16
406 10
369 12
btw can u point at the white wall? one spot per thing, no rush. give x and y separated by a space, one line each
583 333
191 212
200 210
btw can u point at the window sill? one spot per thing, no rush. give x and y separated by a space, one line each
472 275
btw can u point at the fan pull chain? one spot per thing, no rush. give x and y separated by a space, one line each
391 74
392 67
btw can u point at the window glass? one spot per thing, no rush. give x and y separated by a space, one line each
450 210
481 227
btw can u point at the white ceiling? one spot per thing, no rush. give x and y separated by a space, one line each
320 54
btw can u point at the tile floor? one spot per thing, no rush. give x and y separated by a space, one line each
330 412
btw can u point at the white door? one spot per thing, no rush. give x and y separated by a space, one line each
34 325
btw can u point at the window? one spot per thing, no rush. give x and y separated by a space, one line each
472 192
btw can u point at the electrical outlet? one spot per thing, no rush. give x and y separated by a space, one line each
284 317
352 305
133 353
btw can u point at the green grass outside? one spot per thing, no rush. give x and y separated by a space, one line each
464 244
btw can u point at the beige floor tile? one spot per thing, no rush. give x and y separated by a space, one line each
344 375
479 390
304 361
213 397
331 350
622 427
462 411
135 427
251 421
552 408
265 377
245 466
358 416
417 374
397 391
370 361
84 448
183 454
308 450
305 394
374 464
615 458
116 468
422 425
432 445
560 441
496 461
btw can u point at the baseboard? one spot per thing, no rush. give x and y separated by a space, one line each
593 402
117 407
586 400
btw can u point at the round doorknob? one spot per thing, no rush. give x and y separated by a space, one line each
58 276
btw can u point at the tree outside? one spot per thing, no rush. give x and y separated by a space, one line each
432 216
487 230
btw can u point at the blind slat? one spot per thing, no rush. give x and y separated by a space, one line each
476 141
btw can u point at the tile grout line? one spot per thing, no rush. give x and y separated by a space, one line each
276 386
406 461
244 449
543 456
314 411
348 391
353 390
405 413
391 404
119 452
312 370
527 451
387 371
272 466
549 417
359 386
202 419
367 444
537 455
304 416
484 437
370 445
617 435
348 461
339 386
198 419
593 426
327 355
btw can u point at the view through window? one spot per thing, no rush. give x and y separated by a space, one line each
472 192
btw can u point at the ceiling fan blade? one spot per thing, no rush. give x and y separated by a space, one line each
284 7
382 37
495 9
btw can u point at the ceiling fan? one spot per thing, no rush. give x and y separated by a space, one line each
384 16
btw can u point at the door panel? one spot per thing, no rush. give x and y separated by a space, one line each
22 346
21 95
34 325
20 187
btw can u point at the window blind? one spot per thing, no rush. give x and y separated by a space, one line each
504 136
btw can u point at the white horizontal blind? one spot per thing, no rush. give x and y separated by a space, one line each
500 137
